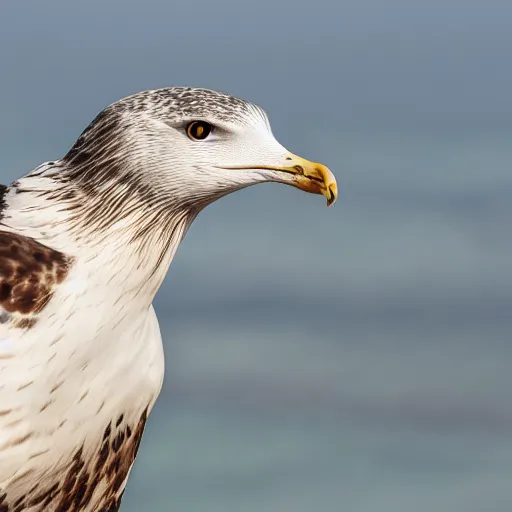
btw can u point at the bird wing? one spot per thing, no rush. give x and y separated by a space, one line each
29 274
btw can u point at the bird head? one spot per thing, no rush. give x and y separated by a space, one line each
188 147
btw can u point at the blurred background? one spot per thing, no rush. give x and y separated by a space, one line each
355 359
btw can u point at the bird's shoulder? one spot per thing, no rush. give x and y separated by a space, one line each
29 274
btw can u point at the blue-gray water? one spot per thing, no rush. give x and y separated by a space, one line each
351 359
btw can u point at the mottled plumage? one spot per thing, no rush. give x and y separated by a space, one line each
29 272
82 474
85 242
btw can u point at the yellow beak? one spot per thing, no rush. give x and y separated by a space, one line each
311 177
306 175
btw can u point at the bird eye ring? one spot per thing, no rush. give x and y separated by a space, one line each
198 130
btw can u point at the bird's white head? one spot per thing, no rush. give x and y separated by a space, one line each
182 148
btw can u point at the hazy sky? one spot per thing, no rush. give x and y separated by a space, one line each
371 63
358 354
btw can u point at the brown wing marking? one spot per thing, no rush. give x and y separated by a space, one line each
29 273
72 490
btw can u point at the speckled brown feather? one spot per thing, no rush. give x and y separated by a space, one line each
29 272
73 487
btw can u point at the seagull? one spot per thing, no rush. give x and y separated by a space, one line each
85 243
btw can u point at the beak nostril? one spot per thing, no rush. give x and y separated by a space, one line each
299 169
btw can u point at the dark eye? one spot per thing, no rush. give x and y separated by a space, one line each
199 130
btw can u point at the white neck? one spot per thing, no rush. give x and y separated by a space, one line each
125 267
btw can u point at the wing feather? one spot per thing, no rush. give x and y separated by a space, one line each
29 274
